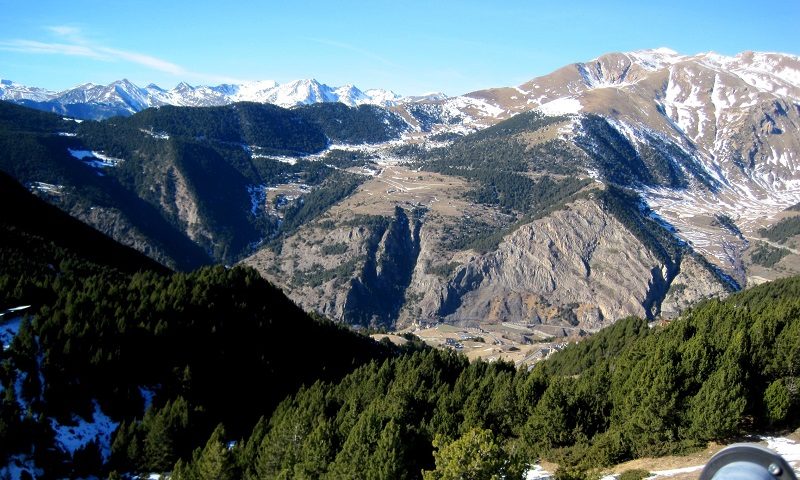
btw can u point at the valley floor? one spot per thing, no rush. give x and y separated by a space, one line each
490 342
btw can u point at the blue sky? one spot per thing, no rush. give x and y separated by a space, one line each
409 46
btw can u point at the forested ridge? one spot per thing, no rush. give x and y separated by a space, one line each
724 369
212 161
106 325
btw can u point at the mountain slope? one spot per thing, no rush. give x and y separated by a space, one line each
519 240
731 123
32 216
41 151
111 360
703 143
186 185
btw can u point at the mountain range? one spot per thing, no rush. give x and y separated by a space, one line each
91 101
634 184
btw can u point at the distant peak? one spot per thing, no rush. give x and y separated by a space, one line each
259 84
663 51
655 58
85 85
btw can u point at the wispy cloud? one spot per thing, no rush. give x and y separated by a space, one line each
66 31
32 46
145 60
352 48
71 42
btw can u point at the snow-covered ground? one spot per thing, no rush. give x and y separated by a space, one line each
8 331
17 464
536 472
70 438
46 188
258 197
689 212
674 471
788 449
156 135
9 324
561 106
95 159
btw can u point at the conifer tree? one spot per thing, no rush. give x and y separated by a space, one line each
716 411
778 402
215 461
474 456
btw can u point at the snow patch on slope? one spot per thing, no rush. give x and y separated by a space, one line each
8 331
561 106
258 197
95 159
18 465
786 448
9 325
655 59
70 438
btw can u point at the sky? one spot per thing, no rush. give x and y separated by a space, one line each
409 46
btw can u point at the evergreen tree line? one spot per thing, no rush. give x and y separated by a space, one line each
106 323
782 231
215 345
724 369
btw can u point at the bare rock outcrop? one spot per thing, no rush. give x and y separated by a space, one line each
577 268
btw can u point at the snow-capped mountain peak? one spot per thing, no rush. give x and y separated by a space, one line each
10 90
655 59
383 97
250 91
350 95
124 97
183 87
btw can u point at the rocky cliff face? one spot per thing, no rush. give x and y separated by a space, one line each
578 268
559 269
357 271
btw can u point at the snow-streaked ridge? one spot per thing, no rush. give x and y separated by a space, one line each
132 98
